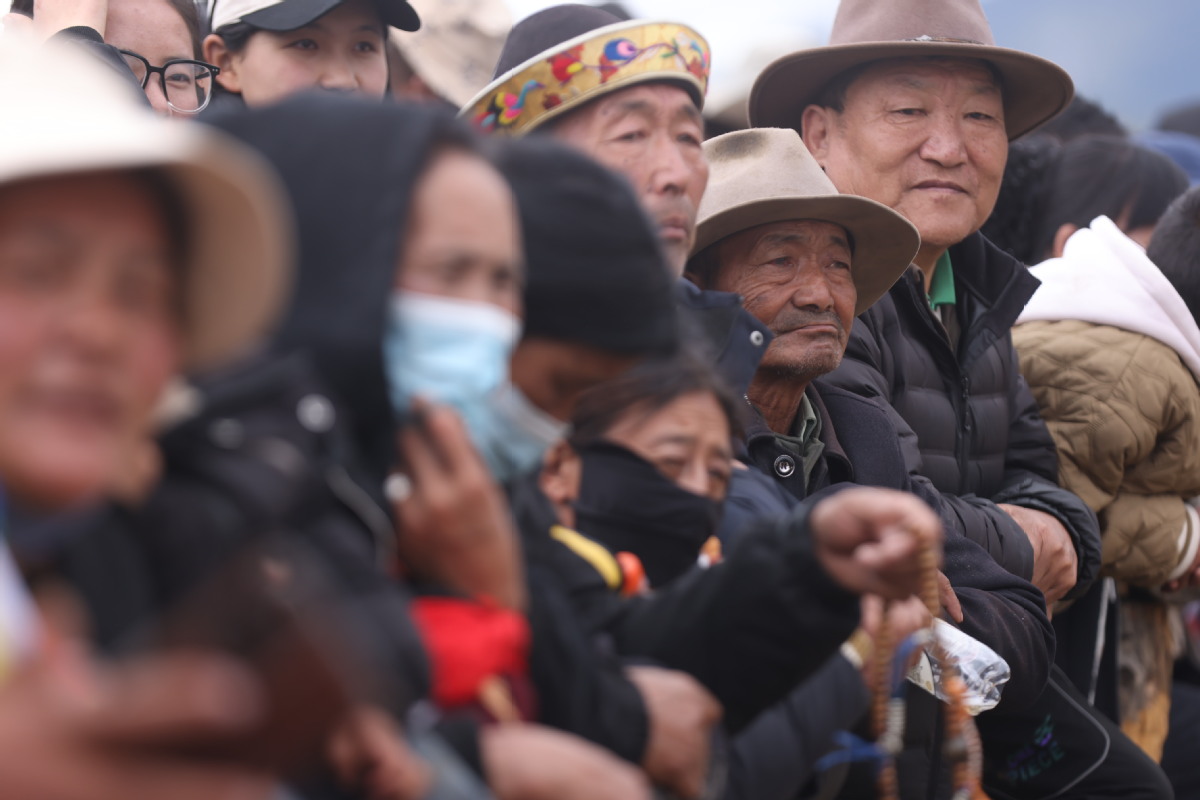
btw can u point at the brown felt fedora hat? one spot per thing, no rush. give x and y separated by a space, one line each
764 175
871 30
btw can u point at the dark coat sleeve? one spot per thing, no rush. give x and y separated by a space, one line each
581 684
581 688
1004 612
751 628
1031 480
868 370
773 758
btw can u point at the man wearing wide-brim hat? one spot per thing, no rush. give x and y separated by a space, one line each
806 259
912 104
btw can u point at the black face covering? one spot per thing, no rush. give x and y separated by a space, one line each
626 504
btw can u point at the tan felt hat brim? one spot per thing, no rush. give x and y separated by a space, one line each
1035 89
884 242
239 248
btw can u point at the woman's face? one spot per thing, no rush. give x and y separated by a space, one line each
463 237
88 332
156 32
340 51
687 440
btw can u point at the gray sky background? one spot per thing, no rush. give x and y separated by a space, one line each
1136 58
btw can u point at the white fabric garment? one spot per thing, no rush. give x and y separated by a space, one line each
1105 278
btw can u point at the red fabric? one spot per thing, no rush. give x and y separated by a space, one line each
469 642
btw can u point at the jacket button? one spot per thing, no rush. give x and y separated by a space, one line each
227 433
315 413
785 466
756 338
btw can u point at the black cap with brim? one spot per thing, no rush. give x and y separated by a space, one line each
292 14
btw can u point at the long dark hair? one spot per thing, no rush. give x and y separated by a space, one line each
1049 185
1175 248
647 388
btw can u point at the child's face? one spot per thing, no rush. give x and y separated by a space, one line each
342 51
89 332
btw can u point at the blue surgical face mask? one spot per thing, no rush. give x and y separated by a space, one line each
448 351
515 434
456 352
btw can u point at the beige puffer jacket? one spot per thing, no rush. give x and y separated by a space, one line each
1125 414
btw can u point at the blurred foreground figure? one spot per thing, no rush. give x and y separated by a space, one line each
142 249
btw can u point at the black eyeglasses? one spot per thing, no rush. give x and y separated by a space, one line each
187 85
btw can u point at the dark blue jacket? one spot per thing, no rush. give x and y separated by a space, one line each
1006 612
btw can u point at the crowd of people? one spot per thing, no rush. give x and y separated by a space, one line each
397 403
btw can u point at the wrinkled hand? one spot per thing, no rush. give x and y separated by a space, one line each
84 733
453 523
531 762
1055 562
682 715
1189 579
52 16
871 540
948 598
371 758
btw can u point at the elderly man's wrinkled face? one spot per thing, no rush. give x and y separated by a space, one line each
652 135
924 136
795 278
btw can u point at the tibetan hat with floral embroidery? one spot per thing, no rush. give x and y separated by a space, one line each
560 58
865 31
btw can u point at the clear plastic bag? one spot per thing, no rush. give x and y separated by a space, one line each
983 672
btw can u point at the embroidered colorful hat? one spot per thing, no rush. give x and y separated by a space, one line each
864 31
765 175
238 263
565 56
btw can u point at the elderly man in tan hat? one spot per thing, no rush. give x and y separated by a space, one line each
912 104
806 259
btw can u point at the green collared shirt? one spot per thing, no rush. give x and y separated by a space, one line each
943 299
804 442
941 288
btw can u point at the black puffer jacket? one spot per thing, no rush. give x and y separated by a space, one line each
966 419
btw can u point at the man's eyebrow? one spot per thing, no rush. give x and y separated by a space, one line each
691 113
803 237
632 107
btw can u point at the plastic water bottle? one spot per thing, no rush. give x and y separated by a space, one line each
983 672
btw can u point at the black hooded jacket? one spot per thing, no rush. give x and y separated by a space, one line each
967 421
359 167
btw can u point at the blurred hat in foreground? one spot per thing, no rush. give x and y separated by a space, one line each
65 113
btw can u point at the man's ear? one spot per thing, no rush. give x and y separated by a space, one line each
562 472
815 125
1064 232
217 53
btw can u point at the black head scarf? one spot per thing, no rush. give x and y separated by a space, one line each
350 167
